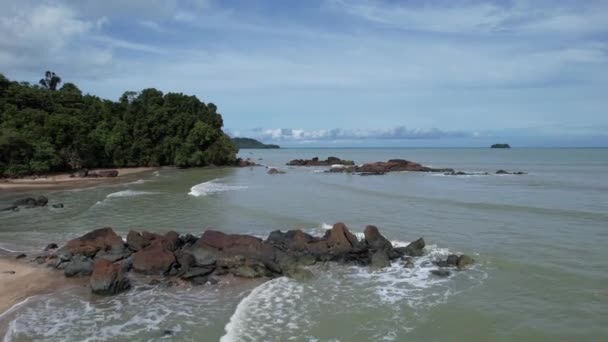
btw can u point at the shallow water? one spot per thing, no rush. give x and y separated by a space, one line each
539 240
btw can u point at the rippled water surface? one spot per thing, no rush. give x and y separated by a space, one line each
539 240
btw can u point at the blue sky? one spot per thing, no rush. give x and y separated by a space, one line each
338 72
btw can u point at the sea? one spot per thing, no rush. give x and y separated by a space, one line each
540 242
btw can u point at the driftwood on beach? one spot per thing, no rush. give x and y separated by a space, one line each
107 258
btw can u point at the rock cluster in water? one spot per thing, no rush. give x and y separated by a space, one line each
106 258
31 202
380 168
317 162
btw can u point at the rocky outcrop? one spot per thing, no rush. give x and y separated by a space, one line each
102 173
459 261
104 256
414 249
317 162
156 258
28 202
108 278
275 171
503 172
392 165
240 162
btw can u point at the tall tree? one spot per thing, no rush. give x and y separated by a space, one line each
50 80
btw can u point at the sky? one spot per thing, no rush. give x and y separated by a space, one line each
338 73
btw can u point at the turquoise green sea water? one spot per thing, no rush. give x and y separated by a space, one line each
539 240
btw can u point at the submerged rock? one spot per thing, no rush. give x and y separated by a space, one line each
414 249
108 278
51 246
317 162
464 261
275 171
79 267
441 273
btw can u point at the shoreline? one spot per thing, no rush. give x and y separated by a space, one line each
27 281
63 181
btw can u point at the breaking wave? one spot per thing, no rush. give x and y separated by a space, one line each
130 193
212 187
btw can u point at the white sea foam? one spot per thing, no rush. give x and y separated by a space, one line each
212 187
130 193
139 314
139 181
269 310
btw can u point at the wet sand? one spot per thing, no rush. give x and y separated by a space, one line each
64 181
19 280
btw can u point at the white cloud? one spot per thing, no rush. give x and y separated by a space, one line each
520 16
338 134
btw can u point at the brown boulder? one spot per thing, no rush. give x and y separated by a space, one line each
108 278
103 239
154 259
337 240
375 241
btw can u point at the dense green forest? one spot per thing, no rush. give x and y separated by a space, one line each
46 128
252 143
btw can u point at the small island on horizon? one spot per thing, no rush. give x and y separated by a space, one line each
249 143
500 146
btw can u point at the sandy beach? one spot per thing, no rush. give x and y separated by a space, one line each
20 280
64 181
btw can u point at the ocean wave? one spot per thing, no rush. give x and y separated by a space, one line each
212 187
130 193
139 181
144 313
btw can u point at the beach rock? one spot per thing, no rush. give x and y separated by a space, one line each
51 246
298 273
29 202
464 261
103 173
137 241
414 249
82 173
338 240
374 173
78 267
244 163
11 208
295 240
237 244
89 244
275 171
197 272
8 272
375 241
21 256
441 273
502 172
108 278
58 205
452 260
409 264
380 259
153 259
317 162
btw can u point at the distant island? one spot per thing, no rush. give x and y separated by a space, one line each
245 143
501 146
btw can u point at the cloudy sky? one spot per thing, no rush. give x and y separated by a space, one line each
338 72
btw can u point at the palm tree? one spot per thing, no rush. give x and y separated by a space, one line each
50 80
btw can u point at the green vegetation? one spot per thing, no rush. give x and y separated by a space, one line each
501 146
252 143
44 128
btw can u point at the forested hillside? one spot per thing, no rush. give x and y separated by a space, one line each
46 128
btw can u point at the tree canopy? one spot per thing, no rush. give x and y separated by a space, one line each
44 129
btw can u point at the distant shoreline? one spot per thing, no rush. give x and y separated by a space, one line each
62 181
